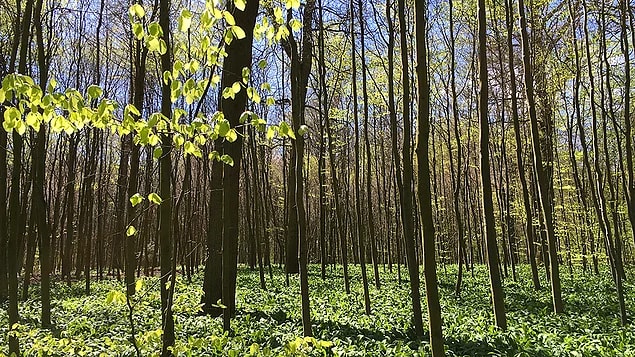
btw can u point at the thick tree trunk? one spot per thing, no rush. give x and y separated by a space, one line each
238 57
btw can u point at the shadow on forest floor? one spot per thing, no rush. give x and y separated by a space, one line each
330 330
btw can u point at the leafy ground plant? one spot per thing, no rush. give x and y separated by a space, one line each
268 323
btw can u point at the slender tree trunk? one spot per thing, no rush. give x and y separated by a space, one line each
141 53
614 243
531 252
39 205
359 227
14 195
629 190
166 240
404 180
423 183
498 300
456 175
369 195
543 184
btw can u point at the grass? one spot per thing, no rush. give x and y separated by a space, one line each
268 322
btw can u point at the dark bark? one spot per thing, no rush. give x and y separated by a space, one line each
531 252
166 240
542 178
423 182
369 191
496 287
404 179
238 57
360 231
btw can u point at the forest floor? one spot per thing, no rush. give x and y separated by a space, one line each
268 322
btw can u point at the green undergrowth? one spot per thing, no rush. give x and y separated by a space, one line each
268 322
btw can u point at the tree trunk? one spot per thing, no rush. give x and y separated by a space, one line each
404 180
543 184
423 182
238 57
359 227
166 240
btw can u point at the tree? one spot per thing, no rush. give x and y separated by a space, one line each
545 203
423 182
487 201
404 180
166 240
14 229
360 230
531 252
238 58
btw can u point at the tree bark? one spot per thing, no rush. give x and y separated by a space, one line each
238 57
543 184
423 182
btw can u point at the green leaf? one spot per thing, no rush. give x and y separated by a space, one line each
292 4
154 198
240 4
253 95
33 119
178 140
227 160
58 123
295 24
11 116
214 155
163 47
236 87
192 149
239 33
137 10
94 92
153 43
271 132
115 297
228 93
244 117
245 74
303 130
133 110
223 127
156 154
229 18
131 231
137 31
232 135
136 199
20 127
285 130
185 20
155 29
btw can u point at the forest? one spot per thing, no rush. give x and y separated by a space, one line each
317 178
